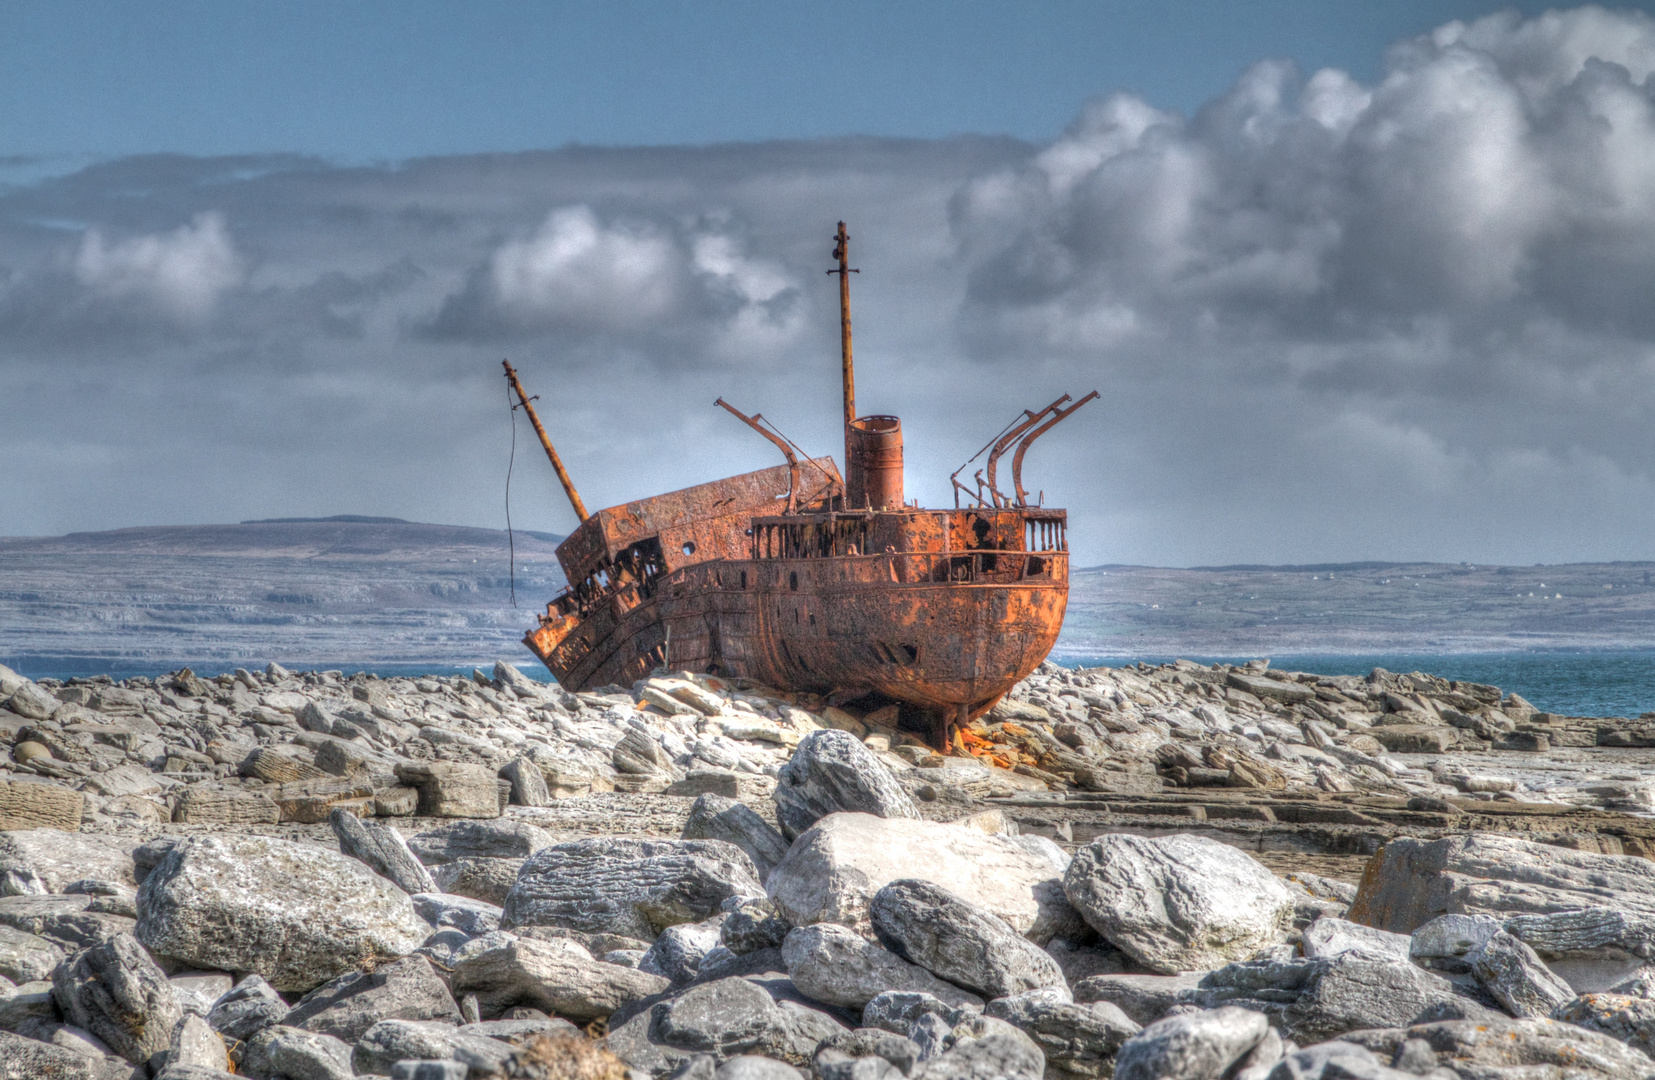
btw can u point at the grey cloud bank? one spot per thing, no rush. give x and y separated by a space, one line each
1330 321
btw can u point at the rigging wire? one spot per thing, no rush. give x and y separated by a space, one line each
511 541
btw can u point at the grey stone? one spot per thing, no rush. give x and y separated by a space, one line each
500 839
1333 1061
832 772
349 1005
1143 998
833 1064
836 966
488 880
1445 941
1519 981
1080 1039
637 754
382 849
1328 937
292 1052
30 1059
864 1042
115 991
528 784
247 1009
26 957
520 1031
832 872
1410 882
391 1041
1177 903
430 1070
1347 993
452 789
714 817
724 1018
558 976
752 926
59 859
297 914
933 1034
959 941
1519 1049
198 990
1629 1019
459 912
752 1067
195 1043
626 886
998 1055
896 1010
678 952
1197 1046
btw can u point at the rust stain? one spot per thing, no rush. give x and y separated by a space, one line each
812 582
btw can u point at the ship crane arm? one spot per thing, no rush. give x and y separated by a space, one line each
1023 447
781 444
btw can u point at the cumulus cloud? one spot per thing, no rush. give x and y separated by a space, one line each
632 280
1330 319
183 271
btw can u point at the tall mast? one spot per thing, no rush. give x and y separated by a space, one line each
841 252
557 462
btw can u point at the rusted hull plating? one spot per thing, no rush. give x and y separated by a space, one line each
943 609
875 622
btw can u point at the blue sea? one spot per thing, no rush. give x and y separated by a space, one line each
1574 684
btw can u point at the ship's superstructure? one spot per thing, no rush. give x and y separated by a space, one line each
805 579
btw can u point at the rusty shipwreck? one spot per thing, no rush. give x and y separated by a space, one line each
807 579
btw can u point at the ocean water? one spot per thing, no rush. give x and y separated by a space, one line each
1574 684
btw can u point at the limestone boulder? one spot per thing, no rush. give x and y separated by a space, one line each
831 772
116 992
381 848
833 870
620 885
1177 903
959 941
1080 1039
1520 1049
716 817
557 976
836 966
348 1006
1196 1046
296 914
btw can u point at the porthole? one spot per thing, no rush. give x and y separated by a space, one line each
689 547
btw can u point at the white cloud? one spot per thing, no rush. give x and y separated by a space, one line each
1330 320
183 271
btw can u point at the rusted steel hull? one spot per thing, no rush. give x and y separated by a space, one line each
894 623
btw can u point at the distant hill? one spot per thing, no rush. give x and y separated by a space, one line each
333 592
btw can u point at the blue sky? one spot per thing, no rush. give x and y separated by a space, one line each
375 81
1356 280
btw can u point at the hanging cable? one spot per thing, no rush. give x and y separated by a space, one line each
511 542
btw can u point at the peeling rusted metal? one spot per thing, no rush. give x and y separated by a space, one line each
792 578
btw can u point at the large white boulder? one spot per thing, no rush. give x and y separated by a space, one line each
833 871
1178 903
296 914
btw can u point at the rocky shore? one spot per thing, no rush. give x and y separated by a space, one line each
1156 872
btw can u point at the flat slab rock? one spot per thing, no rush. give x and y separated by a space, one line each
1410 882
833 871
632 887
297 914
